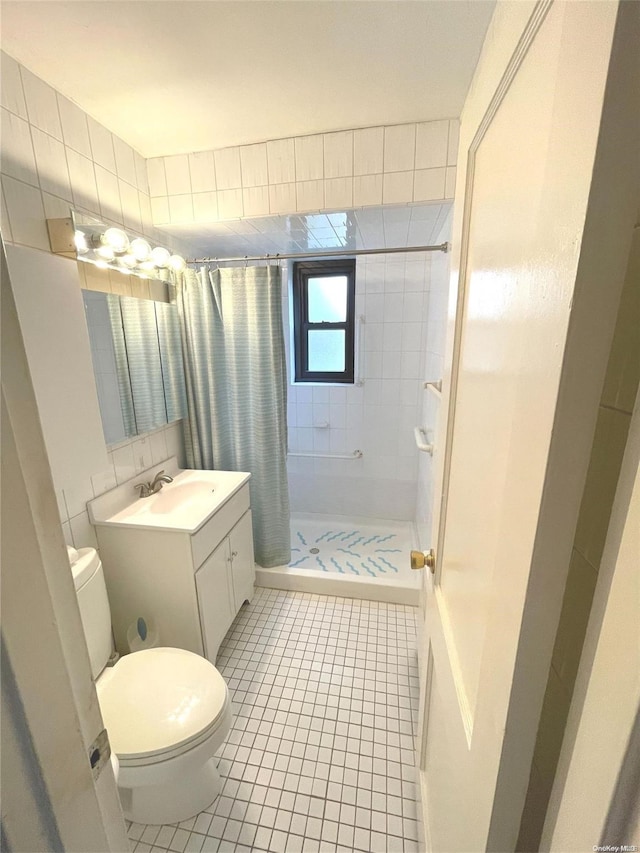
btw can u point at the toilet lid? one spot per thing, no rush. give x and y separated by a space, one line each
158 699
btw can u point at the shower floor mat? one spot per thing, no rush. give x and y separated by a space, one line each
357 557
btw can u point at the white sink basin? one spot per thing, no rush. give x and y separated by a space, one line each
185 504
175 496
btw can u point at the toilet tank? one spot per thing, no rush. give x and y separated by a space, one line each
88 578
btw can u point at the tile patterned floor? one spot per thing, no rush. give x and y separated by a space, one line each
321 755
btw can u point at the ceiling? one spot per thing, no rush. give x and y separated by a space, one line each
369 228
176 76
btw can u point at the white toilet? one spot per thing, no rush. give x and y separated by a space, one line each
167 711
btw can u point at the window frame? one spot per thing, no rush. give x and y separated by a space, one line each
302 272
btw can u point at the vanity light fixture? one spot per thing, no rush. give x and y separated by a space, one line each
116 239
160 257
110 247
140 249
177 263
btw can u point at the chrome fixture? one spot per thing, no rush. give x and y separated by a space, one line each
148 489
108 247
332 253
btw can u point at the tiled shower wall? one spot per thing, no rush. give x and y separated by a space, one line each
377 416
398 164
55 157
433 369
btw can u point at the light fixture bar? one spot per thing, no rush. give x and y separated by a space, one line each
110 247
338 253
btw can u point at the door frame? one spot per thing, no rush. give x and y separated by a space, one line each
596 796
602 256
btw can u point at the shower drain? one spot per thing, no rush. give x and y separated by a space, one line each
314 550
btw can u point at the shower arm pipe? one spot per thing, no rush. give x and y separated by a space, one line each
357 454
338 253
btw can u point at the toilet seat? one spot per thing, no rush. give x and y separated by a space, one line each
161 703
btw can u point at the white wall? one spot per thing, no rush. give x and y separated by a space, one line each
376 417
54 157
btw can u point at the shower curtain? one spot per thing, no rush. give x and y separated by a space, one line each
233 348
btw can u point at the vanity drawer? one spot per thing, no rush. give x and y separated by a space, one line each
213 532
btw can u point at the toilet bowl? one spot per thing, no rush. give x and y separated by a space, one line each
167 711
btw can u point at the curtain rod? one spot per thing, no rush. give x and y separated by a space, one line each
339 253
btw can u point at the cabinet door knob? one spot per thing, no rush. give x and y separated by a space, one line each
234 554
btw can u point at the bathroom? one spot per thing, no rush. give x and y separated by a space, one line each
353 653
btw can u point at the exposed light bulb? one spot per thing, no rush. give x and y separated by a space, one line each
106 253
140 249
117 239
128 261
147 265
80 241
177 263
160 257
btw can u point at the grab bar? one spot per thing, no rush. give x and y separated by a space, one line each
357 454
420 433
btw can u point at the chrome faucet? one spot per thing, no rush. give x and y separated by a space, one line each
148 489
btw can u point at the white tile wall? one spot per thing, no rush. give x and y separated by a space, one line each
11 89
338 154
75 129
203 172
177 174
253 162
53 157
102 145
281 161
83 179
125 461
309 157
433 361
51 163
228 172
432 138
376 417
322 172
399 147
42 105
50 144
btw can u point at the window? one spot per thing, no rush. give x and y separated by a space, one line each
324 320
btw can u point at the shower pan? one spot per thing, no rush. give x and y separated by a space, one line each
354 557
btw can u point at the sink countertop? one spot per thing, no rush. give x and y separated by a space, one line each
183 505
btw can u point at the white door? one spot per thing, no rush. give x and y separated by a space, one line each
242 561
215 598
517 433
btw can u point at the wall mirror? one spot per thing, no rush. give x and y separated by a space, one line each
137 363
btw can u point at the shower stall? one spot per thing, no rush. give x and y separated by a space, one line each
360 453
359 447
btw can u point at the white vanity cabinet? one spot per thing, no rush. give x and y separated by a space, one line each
224 581
188 585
